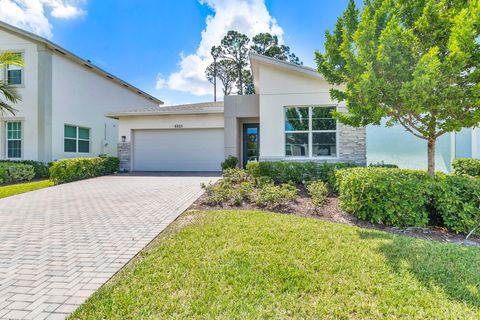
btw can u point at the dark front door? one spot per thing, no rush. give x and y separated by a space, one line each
251 142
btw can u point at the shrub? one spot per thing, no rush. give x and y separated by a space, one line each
15 172
457 202
229 163
298 172
383 165
276 196
394 197
40 168
68 170
318 191
466 167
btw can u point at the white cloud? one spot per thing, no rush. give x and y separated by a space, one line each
246 16
32 15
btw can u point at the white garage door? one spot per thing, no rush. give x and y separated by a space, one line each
178 150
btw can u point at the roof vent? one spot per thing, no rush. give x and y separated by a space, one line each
88 66
109 77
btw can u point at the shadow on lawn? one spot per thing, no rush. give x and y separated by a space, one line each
453 268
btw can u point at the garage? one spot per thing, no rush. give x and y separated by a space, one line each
178 150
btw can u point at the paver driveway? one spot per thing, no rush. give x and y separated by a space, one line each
58 245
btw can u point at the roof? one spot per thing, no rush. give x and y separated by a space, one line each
86 63
193 108
257 59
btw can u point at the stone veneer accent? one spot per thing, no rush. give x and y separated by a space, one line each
352 144
125 155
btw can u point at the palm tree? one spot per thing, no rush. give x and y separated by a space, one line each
8 93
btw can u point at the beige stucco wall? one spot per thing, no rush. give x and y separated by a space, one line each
82 98
281 88
58 91
189 121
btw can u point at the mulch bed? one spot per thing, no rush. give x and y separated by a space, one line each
331 211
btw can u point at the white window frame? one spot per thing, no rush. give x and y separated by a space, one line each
7 139
77 139
22 77
310 133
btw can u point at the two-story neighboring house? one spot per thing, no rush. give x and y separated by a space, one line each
64 102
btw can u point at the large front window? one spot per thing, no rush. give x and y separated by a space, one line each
310 132
14 140
76 139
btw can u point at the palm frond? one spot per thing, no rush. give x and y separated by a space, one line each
5 107
9 92
11 58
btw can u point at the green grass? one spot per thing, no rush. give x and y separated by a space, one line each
11 190
260 265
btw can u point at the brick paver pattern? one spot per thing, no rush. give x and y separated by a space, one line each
59 245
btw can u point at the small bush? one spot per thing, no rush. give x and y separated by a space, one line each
276 196
229 163
394 197
298 172
110 165
466 167
318 191
383 165
16 172
457 202
40 168
68 170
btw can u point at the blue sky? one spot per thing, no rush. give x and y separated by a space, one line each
142 41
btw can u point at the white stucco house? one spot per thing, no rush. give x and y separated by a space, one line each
289 118
64 101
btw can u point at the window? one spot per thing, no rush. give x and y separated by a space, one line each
310 132
76 139
14 140
14 74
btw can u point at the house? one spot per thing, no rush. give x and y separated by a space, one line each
64 101
289 118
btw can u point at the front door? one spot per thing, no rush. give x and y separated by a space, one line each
251 142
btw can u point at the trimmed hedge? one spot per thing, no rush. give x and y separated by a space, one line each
15 172
68 170
466 167
393 197
298 172
457 202
40 168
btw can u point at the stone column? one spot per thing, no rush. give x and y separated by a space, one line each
125 156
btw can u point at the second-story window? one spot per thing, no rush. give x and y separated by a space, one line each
14 74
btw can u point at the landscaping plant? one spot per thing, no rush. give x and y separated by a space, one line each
40 168
457 201
412 63
466 167
229 163
16 172
68 170
393 197
318 191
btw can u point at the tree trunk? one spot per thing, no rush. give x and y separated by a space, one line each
240 77
431 157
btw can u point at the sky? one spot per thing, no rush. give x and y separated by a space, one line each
163 46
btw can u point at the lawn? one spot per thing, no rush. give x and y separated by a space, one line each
11 190
258 265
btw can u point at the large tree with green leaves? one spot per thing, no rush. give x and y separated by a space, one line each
415 63
225 71
268 45
235 48
8 94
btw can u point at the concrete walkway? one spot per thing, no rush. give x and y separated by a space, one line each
58 245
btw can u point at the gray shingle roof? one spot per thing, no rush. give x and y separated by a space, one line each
193 108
